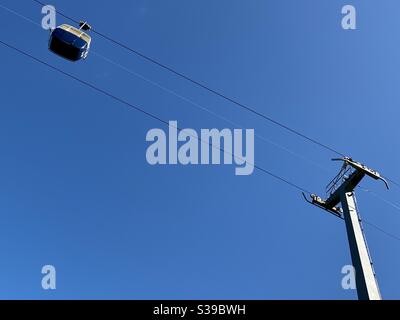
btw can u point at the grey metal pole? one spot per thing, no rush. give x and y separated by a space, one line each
367 286
349 176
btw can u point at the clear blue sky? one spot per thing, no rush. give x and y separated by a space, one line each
76 191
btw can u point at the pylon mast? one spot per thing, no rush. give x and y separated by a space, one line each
341 191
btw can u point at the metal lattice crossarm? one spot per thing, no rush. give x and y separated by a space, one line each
363 168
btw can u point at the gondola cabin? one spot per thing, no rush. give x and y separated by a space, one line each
69 42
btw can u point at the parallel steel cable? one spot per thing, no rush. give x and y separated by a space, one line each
213 91
172 92
370 224
376 195
161 120
197 105
20 15
391 235
118 65
392 204
155 117
203 108
379 197
203 86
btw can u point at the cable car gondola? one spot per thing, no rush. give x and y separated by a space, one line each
69 42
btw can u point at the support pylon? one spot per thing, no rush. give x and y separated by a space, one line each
341 191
